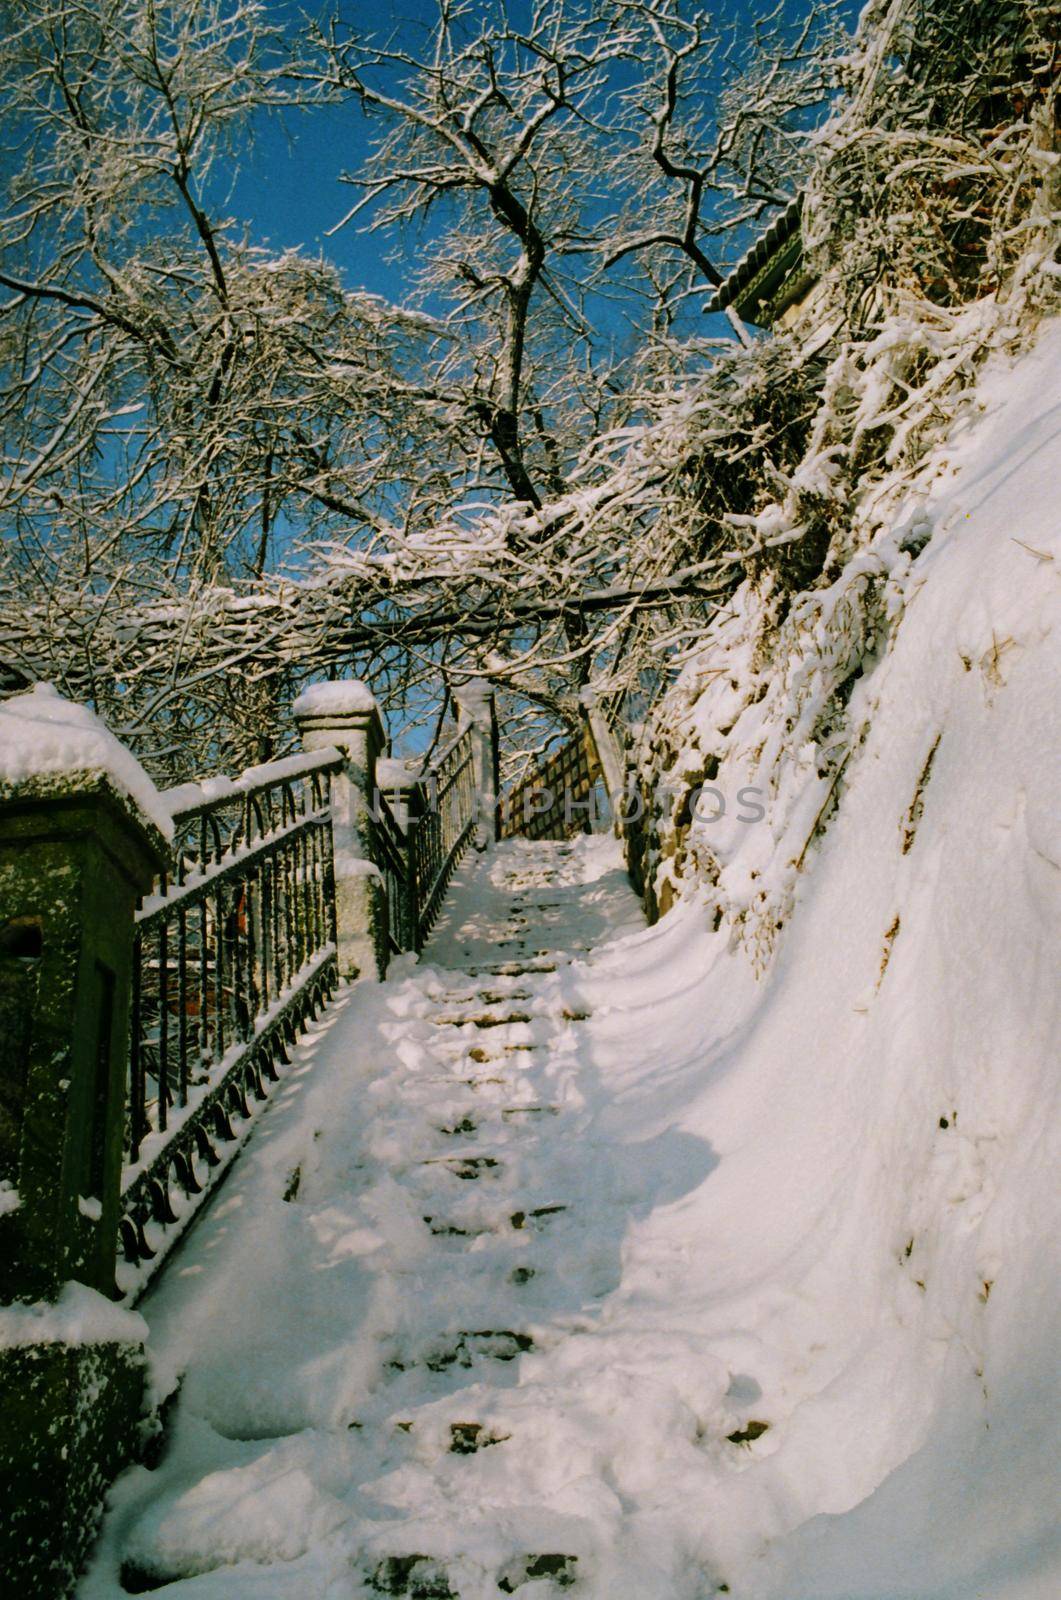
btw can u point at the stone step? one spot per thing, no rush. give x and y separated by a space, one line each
416 1576
465 1349
452 1230
520 1219
466 1438
468 1168
420 1577
510 969
457 1080
465 1126
562 1569
485 1019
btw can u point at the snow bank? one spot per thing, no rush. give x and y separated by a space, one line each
340 698
79 1316
774 708
871 1261
42 736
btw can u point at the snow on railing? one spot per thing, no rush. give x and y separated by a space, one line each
441 834
239 946
233 954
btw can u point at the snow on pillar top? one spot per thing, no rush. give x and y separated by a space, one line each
48 743
342 697
475 699
394 774
344 713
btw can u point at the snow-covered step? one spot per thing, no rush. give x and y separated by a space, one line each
424 1578
468 1168
439 1238
482 1019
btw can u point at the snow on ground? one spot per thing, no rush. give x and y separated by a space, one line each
629 1270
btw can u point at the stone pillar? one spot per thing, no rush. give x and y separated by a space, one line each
400 784
610 757
72 1416
344 714
77 852
475 704
75 858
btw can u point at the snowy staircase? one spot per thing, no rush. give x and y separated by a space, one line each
430 1473
492 1003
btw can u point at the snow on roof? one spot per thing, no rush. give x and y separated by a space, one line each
341 697
756 256
43 735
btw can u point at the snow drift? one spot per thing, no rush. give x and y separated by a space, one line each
871 1255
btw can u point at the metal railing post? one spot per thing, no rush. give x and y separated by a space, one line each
400 784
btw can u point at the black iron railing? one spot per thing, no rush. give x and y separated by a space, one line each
392 858
233 955
440 836
237 951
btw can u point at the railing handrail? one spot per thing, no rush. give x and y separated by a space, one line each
234 950
231 909
237 944
183 804
393 846
437 760
418 859
442 834
191 890
564 779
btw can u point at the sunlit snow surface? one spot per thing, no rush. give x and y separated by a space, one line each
44 736
821 1199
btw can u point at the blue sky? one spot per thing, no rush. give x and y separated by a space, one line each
288 184
287 187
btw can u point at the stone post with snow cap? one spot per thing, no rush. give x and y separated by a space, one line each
344 715
83 834
401 784
475 705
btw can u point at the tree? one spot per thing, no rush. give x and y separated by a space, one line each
695 170
928 172
171 395
225 471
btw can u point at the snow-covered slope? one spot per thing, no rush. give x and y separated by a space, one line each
876 1251
793 1335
